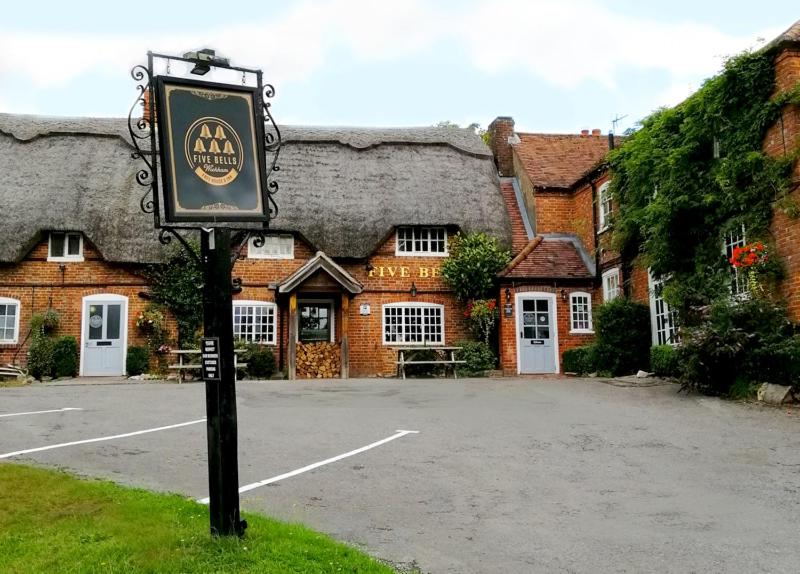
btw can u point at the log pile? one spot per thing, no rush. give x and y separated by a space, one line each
317 360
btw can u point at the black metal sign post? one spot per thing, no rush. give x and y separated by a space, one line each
210 153
223 464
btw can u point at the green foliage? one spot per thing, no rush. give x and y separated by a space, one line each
65 357
478 355
45 322
138 361
260 361
177 285
580 360
678 200
40 356
482 315
739 343
623 337
153 324
664 361
472 266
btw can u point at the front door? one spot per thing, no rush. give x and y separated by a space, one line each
536 336
104 337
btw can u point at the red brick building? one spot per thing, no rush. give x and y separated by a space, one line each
353 259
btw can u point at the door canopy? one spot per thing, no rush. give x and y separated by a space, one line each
321 262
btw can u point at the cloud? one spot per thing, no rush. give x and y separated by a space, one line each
565 43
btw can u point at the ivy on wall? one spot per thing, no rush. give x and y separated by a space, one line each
697 171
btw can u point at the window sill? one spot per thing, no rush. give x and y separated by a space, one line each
581 332
427 345
602 230
79 259
273 257
420 254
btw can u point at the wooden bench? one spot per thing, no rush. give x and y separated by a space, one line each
448 363
10 371
181 366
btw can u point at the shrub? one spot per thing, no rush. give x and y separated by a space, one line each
138 360
748 341
478 355
623 337
65 357
664 361
580 360
45 322
40 356
471 268
260 362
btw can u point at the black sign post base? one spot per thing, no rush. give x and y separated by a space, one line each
223 463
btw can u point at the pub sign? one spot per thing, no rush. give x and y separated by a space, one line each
212 151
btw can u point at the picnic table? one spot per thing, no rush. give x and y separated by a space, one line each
446 358
182 366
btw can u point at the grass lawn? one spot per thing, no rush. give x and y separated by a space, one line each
51 521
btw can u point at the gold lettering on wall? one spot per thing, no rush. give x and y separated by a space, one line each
404 272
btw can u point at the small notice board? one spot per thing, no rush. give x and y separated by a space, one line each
210 353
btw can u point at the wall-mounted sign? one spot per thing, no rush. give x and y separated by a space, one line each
212 151
209 353
389 271
364 309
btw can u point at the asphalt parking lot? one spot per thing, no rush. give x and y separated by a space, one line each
502 476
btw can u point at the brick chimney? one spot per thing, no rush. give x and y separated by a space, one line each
596 132
584 133
501 130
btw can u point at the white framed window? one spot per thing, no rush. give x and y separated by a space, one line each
65 246
739 286
663 320
580 312
611 288
421 241
604 206
275 247
413 324
254 321
9 320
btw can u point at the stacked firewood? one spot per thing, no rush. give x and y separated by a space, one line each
317 360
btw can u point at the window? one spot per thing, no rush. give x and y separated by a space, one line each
739 287
315 321
254 321
65 246
413 323
611 284
275 247
421 241
9 320
580 305
664 321
604 207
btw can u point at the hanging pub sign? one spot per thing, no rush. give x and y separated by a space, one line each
211 139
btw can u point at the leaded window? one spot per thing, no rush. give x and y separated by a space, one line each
611 284
739 287
664 321
580 305
605 207
9 320
254 321
421 241
275 247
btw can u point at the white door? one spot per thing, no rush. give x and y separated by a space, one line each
537 339
104 336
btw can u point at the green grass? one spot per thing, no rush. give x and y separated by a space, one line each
51 521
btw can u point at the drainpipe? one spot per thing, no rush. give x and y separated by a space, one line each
597 273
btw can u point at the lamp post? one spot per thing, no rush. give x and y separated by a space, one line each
212 144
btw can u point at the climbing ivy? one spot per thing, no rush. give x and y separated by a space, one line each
694 172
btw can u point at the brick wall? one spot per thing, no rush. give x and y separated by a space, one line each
783 137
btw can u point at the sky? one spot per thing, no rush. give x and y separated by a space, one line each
552 65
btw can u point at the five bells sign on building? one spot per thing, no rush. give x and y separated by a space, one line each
205 173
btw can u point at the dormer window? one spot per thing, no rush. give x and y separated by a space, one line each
65 246
421 241
275 247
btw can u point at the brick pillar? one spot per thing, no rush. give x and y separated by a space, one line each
500 130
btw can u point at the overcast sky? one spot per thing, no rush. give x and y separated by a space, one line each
553 65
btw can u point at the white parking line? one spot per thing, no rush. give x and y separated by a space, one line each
399 433
99 439
41 412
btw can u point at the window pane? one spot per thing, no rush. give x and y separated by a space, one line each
56 245
74 244
96 313
113 321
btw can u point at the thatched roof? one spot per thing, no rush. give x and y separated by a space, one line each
343 189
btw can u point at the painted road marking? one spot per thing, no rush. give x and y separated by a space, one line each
41 412
99 439
254 485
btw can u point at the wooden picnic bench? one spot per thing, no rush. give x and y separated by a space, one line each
182 366
448 363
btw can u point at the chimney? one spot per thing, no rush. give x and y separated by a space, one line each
501 132
596 132
584 133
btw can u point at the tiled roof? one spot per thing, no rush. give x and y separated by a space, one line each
519 237
547 259
560 160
